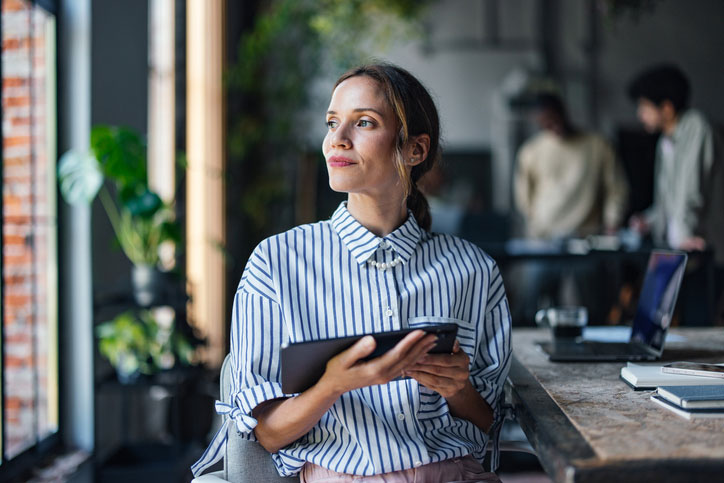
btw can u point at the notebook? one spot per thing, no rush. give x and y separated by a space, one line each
648 376
688 413
693 397
659 291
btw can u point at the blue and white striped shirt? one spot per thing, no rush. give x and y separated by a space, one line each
314 282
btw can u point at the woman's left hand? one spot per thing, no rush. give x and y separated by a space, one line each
446 374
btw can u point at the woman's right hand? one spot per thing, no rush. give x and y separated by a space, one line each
345 371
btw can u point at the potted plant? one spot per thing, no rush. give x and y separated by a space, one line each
142 343
141 221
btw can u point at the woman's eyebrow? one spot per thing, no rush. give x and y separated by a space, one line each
361 109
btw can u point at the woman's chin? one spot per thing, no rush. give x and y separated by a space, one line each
341 185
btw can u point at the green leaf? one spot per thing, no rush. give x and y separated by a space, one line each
122 155
145 204
79 176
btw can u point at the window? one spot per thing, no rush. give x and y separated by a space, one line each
29 288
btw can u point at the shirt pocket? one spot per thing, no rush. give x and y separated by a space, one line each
433 405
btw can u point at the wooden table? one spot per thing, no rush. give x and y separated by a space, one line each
587 425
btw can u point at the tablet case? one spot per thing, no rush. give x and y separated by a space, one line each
303 363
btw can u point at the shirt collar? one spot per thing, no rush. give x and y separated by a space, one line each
679 133
362 243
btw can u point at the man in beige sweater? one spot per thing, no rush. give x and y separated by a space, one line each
568 182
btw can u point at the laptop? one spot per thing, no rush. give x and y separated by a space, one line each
655 309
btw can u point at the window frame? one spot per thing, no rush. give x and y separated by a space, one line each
30 457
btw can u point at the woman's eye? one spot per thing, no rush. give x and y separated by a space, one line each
331 124
364 123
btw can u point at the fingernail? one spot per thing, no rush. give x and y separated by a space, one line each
369 341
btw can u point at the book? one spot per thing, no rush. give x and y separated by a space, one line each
649 376
694 368
686 397
688 413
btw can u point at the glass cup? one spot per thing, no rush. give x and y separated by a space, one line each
565 322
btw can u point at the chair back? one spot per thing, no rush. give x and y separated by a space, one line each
245 461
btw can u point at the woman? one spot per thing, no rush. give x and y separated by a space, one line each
373 267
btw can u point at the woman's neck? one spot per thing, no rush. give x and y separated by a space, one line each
381 217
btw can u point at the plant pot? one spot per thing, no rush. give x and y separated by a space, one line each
127 370
128 377
149 285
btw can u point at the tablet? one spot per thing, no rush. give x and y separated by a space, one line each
303 363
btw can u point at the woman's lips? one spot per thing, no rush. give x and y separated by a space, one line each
339 162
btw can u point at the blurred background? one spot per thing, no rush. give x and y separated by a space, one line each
149 145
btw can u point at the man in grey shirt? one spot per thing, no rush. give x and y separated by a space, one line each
687 210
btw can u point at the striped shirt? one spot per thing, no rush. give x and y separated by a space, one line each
315 282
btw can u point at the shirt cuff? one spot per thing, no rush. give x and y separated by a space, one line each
245 401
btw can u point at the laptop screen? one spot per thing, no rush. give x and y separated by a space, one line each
658 298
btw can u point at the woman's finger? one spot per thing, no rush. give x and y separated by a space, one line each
440 371
430 381
395 365
408 343
360 349
459 359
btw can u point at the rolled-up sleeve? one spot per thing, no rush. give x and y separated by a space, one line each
492 361
257 333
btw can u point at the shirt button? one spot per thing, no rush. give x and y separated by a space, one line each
388 312
418 464
400 416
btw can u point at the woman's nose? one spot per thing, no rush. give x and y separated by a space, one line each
340 137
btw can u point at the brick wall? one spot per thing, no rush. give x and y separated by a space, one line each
29 239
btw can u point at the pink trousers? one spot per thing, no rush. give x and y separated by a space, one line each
457 470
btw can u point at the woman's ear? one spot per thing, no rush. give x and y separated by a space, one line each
418 147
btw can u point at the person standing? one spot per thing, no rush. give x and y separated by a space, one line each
568 183
686 212
688 203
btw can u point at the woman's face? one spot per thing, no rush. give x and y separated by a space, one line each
360 141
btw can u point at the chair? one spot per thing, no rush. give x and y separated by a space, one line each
244 461
248 462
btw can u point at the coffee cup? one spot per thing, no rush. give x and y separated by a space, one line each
565 322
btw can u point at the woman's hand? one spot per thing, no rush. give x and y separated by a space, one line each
446 374
449 376
345 371
282 421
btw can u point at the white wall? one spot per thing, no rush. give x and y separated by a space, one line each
462 80
689 33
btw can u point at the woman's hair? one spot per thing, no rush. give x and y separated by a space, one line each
416 114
